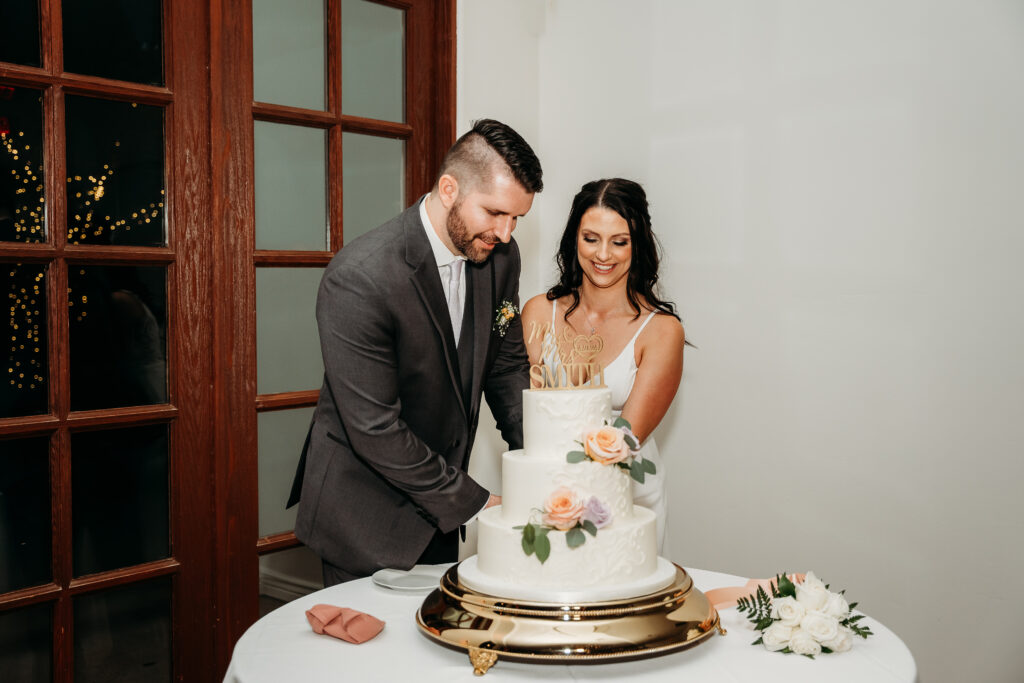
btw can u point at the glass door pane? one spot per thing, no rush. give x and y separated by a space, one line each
26 644
372 60
287 341
289 53
124 634
115 162
120 39
117 320
374 182
291 187
119 501
21 165
19 32
281 435
24 514
24 366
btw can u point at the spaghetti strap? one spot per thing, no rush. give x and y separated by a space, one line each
554 303
635 336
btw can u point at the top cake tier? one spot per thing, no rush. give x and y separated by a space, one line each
554 420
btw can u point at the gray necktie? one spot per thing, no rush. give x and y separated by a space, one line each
454 309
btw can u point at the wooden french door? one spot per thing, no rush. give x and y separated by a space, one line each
336 115
105 555
174 175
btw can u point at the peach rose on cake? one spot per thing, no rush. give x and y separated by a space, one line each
563 509
606 445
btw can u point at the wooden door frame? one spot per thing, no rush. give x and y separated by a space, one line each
429 131
188 410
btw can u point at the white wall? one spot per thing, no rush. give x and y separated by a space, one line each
838 189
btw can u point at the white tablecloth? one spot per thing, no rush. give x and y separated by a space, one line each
282 647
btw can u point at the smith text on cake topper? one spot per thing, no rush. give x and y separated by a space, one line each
576 353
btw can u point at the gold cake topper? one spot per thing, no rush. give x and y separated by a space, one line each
576 354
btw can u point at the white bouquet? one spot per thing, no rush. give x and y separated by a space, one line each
802 617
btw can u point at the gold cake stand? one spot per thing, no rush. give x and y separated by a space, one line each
489 627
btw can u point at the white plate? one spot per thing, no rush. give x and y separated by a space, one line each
419 578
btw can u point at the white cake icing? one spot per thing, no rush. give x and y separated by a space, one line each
554 420
527 482
620 561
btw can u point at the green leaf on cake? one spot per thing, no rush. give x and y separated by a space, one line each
636 470
630 441
528 538
574 537
589 527
649 466
576 456
542 546
621 422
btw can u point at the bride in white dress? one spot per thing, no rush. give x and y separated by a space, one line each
608 271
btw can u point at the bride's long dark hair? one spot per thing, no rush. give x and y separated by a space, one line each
629 200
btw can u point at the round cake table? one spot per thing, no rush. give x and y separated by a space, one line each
282 647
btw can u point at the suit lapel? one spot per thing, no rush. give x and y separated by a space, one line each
483 317
427 282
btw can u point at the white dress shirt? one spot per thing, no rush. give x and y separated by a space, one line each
444 258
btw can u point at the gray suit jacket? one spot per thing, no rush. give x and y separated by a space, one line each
385 460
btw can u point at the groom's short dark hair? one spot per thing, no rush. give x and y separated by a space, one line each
471 159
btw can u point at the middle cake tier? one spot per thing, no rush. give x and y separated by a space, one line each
527 482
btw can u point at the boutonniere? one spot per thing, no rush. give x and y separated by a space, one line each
506 313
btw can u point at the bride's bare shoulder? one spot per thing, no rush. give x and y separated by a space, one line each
665 329
537 307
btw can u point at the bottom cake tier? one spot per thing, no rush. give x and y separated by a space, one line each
621 561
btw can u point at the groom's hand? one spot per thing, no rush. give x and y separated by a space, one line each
492 501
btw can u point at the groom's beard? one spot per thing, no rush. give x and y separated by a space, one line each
458 231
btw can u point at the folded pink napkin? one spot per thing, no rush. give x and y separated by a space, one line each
350 625
724 598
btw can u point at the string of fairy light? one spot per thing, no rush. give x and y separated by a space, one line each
24 367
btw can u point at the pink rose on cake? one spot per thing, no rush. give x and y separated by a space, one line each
606 445
563 508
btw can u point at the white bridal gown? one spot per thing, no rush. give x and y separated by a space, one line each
619 376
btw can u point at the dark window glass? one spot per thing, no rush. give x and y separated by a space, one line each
24 514
115 183
124 634
114 39
21 164
119 499
117 321
23 347
25 643
19 32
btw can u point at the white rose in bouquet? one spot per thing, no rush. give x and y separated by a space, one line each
776 636
811 580
836 606
821 626
812 596
803 643
788 611
842 642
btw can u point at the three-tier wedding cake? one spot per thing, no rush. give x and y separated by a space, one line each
567 529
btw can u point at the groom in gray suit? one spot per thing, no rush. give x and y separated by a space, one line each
412 331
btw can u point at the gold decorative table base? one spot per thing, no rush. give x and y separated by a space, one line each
491 628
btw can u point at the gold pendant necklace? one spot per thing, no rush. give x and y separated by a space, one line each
586 315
